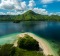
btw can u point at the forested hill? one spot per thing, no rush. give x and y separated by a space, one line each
29 16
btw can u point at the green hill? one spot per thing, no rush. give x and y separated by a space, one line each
29 16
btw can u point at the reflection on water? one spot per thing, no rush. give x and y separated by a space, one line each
44 29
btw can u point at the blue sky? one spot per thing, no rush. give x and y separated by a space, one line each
15 7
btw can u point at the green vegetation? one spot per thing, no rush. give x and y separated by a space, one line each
28 43
23 48
8 50
29 16
27 46
59 52
50 55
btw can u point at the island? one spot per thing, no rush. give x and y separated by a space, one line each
27 44
29 16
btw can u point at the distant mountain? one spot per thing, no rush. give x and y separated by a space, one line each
30 12
29 16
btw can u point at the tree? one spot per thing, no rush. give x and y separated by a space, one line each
27 42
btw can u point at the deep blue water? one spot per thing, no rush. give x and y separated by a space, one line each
49 30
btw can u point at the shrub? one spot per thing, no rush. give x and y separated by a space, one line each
27 42
7 50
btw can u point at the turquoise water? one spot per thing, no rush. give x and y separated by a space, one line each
8 39
47 30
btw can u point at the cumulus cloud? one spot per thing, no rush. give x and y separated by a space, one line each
40 11
23 5
20 6
6 4
56 13
46 1
31 4
12 5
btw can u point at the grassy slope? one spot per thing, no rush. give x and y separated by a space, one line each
23 52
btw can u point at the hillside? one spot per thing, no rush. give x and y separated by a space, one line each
29 16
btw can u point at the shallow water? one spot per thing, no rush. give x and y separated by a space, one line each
47 30
8 39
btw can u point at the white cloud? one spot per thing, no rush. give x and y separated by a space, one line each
23 5
6 4
46 1
20 7
12 5
15 13
56 13
31 4
40 11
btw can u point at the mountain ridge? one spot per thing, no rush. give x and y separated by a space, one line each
29 16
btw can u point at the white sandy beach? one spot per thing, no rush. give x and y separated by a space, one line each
42 43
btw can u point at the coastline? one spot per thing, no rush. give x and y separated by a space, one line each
12 38
47 49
